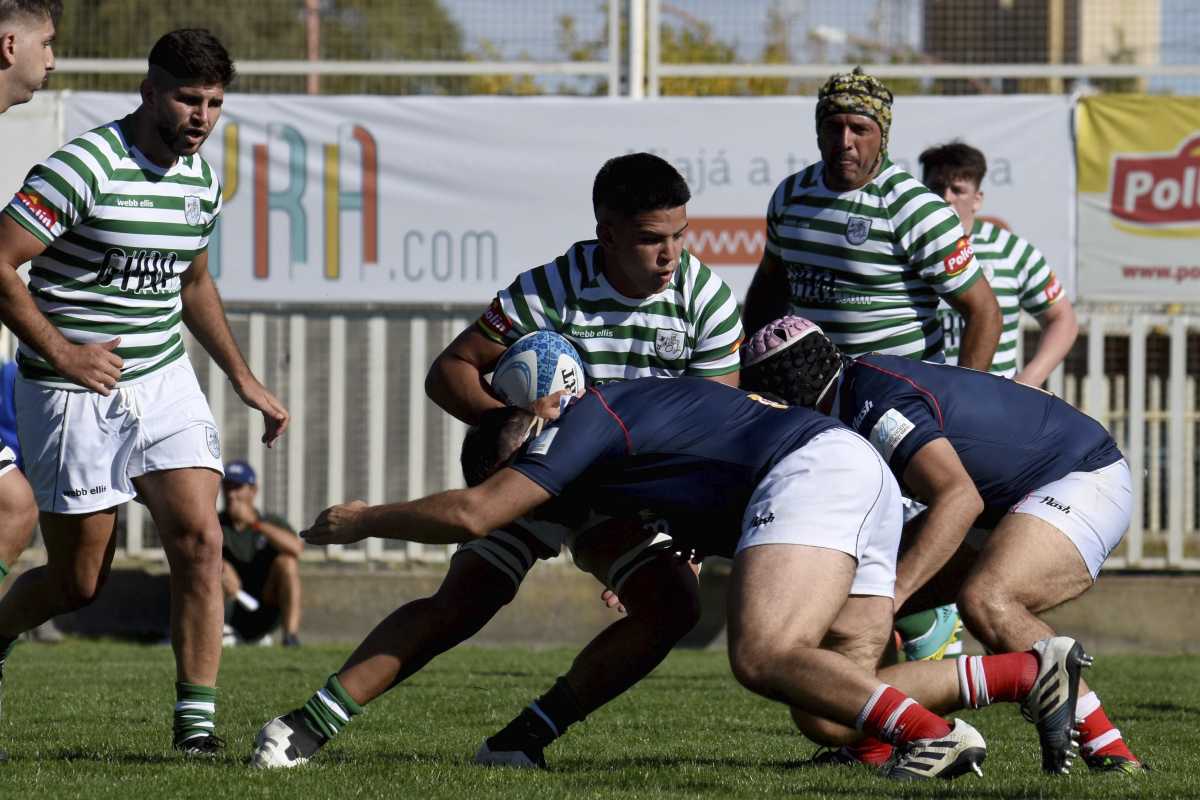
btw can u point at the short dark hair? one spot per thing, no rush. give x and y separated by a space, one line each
489 445
953 161
797 374
193 56
39 9
637 183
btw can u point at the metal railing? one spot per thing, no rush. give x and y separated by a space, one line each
363 428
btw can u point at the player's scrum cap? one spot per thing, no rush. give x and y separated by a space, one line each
775 337
240 472
857 93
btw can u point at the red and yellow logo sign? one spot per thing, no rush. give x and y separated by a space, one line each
36 205
1158 189
957 261
1054 289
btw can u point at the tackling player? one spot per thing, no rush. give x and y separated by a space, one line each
116 224
1026 495
810 514
634 303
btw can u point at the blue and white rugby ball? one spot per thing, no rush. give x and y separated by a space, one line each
536 365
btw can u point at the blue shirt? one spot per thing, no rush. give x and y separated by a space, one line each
687 448
1011 438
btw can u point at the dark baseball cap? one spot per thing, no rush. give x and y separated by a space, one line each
240 472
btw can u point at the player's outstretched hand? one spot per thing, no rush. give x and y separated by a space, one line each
92 366
275 416
337 525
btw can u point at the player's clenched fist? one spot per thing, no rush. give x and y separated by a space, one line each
337 524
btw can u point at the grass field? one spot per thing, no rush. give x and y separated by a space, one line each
92 720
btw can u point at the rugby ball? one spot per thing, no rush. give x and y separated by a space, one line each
536 365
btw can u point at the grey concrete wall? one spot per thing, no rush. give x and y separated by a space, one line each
558 605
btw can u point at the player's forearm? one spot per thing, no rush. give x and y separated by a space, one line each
280 538
981 334
443 518
21 315
459 389
769 295
1057 339
946 524
204 316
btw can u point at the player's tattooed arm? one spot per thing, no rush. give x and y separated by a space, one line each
459 515
937 478
92 366
205 317
455 380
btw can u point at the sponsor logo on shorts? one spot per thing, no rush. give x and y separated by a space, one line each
1050 501
889 432
857 230
957 261
101 489
36 205
762 519
862 415
213 439
495 320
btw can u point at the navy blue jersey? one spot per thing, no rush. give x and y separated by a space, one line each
1011 438
688 448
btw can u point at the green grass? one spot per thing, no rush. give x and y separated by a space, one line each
92 720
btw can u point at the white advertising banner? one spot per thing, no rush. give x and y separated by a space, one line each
444 200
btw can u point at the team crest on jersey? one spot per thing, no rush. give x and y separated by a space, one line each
191 209
668 343
857 230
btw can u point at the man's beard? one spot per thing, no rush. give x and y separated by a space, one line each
174 138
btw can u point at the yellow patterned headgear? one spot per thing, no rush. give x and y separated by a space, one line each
857 93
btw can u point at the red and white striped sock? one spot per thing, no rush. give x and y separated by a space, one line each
1097 735
895 717
983 680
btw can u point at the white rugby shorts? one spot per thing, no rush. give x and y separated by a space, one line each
837 493
1092 509
83 449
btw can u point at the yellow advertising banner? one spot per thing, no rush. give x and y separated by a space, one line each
1138 174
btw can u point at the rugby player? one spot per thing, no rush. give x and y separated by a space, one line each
116 224
1015 269
1026 495
810 514
27 30
861 247
634 303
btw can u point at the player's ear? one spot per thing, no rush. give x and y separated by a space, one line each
604 233
8 49
148 93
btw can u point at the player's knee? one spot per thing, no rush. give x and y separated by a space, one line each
200 544
979 605
756 665
77 591
18 516
664 593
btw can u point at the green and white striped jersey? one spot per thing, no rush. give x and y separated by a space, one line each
869 265
119 231
1020 278
692 327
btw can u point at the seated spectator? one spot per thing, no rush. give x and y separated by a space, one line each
261 573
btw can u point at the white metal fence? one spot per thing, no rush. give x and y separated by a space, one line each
363 428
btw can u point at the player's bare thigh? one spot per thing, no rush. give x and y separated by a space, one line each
1025 566
18 515
182 501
